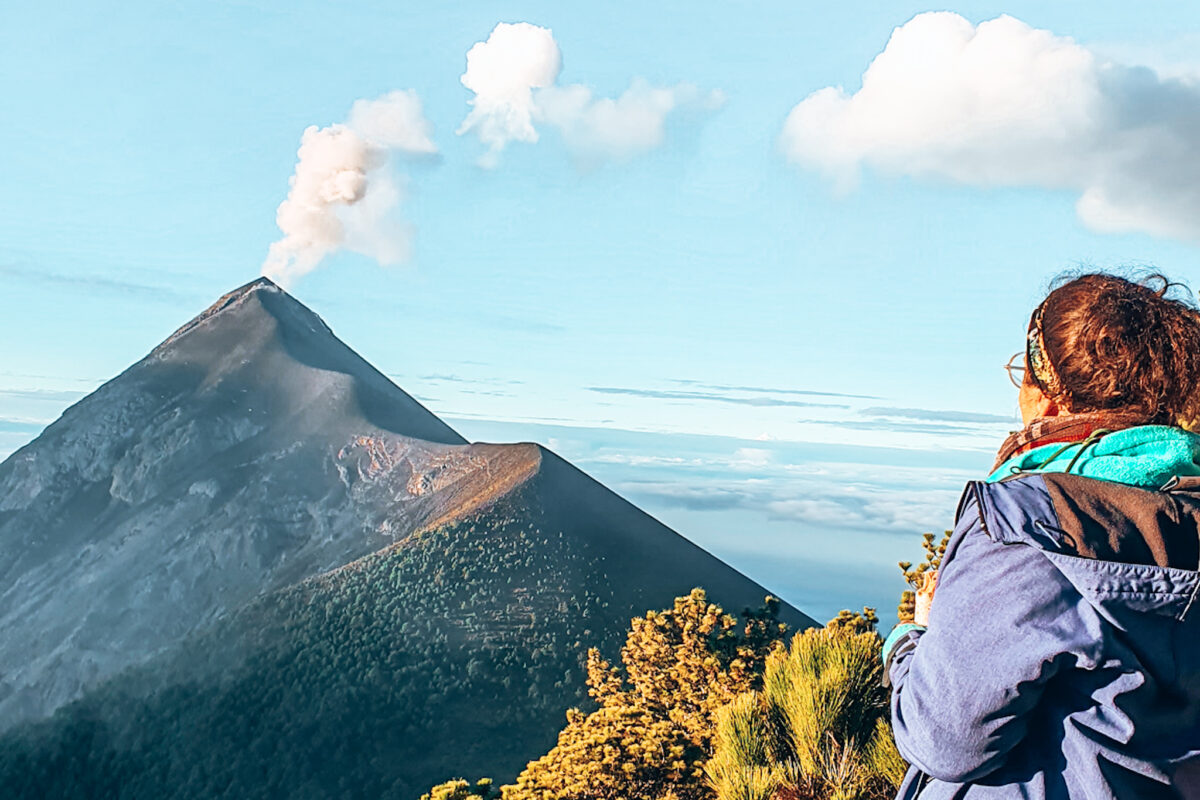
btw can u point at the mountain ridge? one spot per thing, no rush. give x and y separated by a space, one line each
240 414
252 452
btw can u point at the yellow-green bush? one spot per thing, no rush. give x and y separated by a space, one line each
461 790
818 729
705 707
652 732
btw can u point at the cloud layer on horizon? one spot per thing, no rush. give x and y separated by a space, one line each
513 76
715 397
1006 104
823 495
937 415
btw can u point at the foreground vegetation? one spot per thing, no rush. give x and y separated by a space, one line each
818 730
707 707
343 686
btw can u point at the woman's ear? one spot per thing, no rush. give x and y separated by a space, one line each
1035 404
1049 407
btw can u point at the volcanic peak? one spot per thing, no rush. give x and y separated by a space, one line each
261 289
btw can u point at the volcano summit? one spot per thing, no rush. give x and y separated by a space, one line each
252 526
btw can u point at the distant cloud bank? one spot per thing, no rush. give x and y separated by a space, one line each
867 501
716 397
514 78
770 390
1005 104
937 415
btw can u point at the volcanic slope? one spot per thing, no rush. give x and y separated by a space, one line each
250 450
276 546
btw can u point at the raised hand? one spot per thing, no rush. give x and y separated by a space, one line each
925 597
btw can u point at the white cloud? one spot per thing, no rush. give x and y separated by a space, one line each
394 121
342 195
513 75
825 503
1005 104
752 456
865 507
815 510
598 129
503 72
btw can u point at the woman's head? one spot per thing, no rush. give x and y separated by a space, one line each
1102 342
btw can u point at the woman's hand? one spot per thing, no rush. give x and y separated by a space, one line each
925 598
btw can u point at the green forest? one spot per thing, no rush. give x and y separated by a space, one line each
336 687
356 684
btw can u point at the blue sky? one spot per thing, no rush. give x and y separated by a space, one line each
775 360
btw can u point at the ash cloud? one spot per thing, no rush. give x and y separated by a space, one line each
343 195
503 72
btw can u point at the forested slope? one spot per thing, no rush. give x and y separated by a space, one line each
461 645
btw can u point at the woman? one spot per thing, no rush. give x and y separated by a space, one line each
1056 653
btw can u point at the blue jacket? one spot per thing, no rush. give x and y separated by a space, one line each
1062 658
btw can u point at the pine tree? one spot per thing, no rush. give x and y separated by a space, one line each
741 767
461 790
818 729
653 730
703 707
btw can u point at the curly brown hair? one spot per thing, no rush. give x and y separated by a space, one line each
1124 344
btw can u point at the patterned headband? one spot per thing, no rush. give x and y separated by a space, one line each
1039 362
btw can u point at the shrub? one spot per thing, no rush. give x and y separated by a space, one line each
706 708
461 790
652 732
818 729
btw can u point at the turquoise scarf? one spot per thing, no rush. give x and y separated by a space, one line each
1147 456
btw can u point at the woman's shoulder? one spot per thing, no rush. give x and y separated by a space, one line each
1123 549
1093 519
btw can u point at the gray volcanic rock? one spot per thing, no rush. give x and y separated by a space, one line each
253 451
250 450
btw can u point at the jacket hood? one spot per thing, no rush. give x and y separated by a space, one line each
1126 549
1146 456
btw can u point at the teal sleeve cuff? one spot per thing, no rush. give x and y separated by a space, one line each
897 634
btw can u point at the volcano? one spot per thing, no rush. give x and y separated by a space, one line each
253 526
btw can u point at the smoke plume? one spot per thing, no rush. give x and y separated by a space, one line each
343 195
